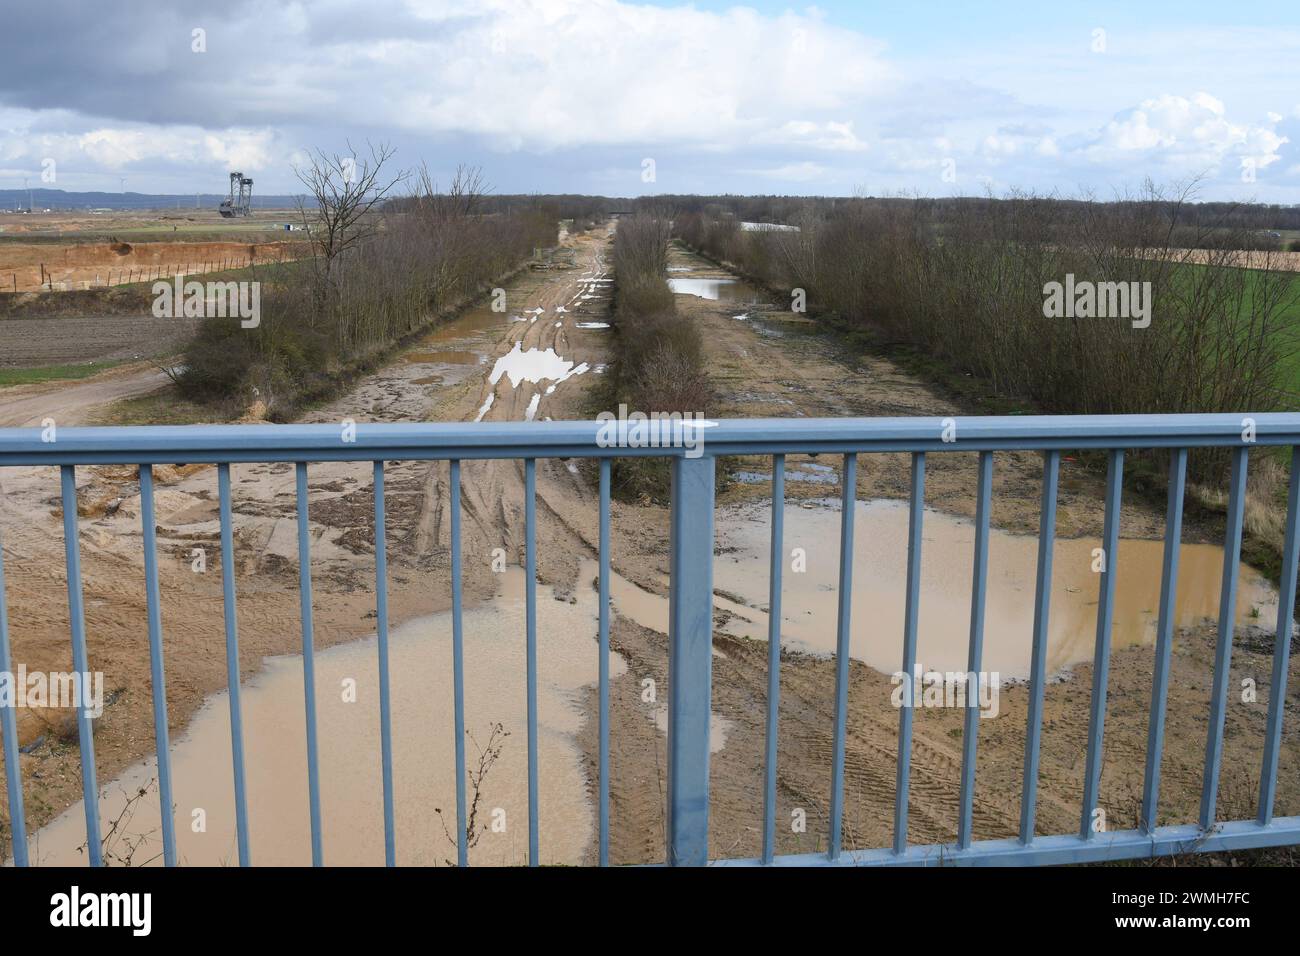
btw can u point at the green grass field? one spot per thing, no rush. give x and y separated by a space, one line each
1290 376
1289 372
48 373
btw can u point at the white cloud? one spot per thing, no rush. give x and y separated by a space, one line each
793 172
564 73
1188 132
115 148
571 94
829 136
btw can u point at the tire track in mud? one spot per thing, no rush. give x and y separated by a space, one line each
265 537
785 381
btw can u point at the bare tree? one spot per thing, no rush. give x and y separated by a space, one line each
346 190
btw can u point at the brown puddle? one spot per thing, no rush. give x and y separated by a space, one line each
423 748
810 598
423 741
447 357
464 340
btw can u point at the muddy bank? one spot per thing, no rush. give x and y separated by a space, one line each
427 387
764 366
424 793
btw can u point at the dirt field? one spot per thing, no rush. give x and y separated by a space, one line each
199 224
762 367
26 267
28 343
1244 259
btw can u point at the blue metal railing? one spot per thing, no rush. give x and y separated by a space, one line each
691 612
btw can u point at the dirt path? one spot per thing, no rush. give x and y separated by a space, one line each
762 367
428 384
70 403
768 363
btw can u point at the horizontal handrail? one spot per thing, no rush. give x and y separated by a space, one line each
691 546
162 444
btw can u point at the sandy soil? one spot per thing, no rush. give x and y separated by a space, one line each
94 264
341 510
769 365
762 367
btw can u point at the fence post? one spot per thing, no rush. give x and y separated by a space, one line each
690 660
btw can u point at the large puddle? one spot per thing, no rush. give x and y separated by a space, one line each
423 740
534 365
423 749
810 597
452 351
723 290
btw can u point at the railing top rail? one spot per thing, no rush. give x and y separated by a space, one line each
165 444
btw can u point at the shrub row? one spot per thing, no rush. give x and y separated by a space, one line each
658 362
968 287
418 262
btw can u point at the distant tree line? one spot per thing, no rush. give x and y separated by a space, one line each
1193 224
382 268
964 281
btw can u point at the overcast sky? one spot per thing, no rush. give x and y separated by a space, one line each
576 95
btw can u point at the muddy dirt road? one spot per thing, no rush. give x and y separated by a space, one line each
70 403
526 363
767 361
533 362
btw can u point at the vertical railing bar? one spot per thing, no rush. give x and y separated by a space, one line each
458 667
912 608
1281 647
9 728
848 503
1164 638
308 661
1227 626
773 655
1038 661
530 559
385 690
153 600
975 659
1101 652
80 664
690 659
604 660
232 663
